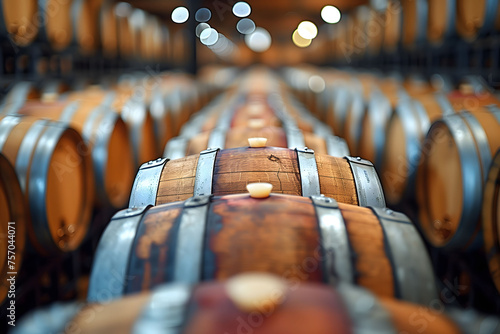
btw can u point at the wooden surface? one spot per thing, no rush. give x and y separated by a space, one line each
58 23
235 168
277 235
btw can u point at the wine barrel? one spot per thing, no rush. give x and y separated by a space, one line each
490 216
407 128
342 96
180 147
382 101
441 17
297 172
363 87
374 31
126 42
477 18
19 21
67 22
214 238
107 138
13 223
17 94
450 199
393 25
415 17
132 109
254 303
55 173
108 28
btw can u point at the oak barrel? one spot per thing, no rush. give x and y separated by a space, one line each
441 16
19 21
13 222
254 303
300 238
457 153
414 25
297 171
477 18
238 137
107 137
393 25
56 176
490 216
108 28
407 127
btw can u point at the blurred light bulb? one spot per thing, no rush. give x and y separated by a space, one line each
330 14
258 41
180 15
307 30
241 9
245 26
203 15
300 41
200 27
316 84
209 36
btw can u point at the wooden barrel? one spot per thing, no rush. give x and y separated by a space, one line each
441 20
363 86
450 199
108 28
477 18
179 147
271 305
374 30
415 16
108 139
18 21
297 172
13 221
290 236
85 26
126 40
393 22
342 96
55 173
132 109
18 93
490 216
406 130
57 27
383 100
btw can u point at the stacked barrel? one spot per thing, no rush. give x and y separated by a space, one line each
435 144
68 156
257 219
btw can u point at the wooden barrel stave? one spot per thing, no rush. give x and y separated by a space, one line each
17 21
350 180
12 209
477 18
300 227
59 190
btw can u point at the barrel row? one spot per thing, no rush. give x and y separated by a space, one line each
73 151
433 145
271 113
117 29
412 24
255 303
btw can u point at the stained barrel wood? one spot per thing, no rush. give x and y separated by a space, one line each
56 177
450 198
107 137
228 171
490 216
13 221
18 21
280 307
282 234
